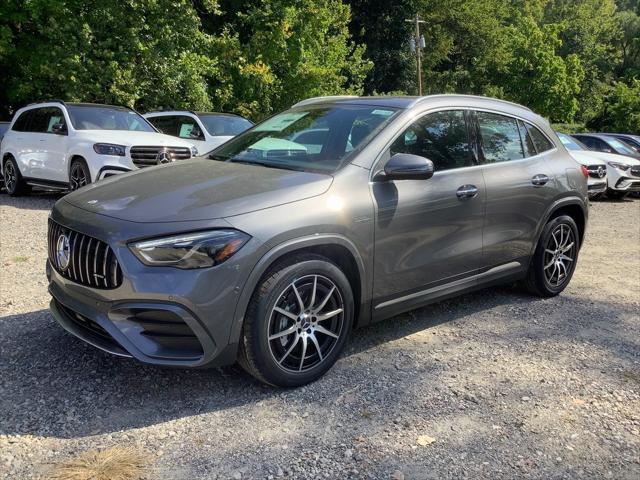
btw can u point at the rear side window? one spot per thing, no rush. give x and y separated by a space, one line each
181 126
500 138
442 137
22 122
542 143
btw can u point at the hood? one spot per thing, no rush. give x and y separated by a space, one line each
131 138
198 189
584 158
611 157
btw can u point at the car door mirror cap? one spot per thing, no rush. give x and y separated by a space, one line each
406 166
59 129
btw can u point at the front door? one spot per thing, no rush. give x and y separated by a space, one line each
428 232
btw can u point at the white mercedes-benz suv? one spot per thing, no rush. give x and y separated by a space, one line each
63 146
206 130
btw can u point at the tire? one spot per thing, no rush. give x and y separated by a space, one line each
615 194
312 344
79 175
556 253
13 181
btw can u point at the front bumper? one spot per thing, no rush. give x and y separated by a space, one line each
595 187
157 315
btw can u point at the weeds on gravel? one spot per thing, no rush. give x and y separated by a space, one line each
115 463
20 259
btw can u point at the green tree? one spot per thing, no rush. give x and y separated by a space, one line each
621 110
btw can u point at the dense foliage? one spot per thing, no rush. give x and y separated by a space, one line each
574 61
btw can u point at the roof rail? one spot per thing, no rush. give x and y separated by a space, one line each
53 100
172 110
312 100
445 95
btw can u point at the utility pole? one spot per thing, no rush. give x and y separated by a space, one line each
417 43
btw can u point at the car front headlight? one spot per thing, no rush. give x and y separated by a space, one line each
110 149
620 166
190 250
194 152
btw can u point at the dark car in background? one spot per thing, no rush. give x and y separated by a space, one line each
601 142
271 248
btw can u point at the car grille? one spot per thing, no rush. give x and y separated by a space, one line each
635 171
148 156
91 262
594 171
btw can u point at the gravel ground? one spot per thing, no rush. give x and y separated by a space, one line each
494 384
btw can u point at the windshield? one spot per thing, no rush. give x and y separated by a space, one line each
571 143
621 147
224 125
316 139
98 117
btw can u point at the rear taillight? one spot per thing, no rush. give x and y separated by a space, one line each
585 171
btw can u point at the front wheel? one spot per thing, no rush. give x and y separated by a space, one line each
79 175
554 260
297 323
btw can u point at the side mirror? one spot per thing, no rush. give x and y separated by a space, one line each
405 166
59 129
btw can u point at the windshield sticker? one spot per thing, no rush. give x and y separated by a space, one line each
280 122
382 113
185 130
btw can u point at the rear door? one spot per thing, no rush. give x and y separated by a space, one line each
428 232
520 182
54 145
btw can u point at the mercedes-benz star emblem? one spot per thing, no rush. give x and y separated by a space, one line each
164 156
601 171
63 252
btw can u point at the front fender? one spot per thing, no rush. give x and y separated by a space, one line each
287 247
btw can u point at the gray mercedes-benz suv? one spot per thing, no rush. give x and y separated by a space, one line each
339 212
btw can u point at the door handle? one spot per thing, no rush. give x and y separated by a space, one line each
467 191
539 180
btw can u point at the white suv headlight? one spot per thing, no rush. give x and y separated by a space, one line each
110 149
620 166
190 250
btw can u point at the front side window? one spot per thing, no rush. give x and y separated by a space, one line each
98 117
316 138
181 126
43 119
224 125
442 137
500 138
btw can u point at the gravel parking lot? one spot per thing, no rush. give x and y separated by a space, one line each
495 384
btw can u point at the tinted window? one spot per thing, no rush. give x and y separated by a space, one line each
179 126
43 119
22 122
527 141
541 142
500 138
442 137
224 125
274 142
98 117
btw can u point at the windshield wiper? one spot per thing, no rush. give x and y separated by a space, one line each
265 164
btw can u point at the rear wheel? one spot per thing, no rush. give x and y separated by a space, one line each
13 181
554 260
297 322
79 175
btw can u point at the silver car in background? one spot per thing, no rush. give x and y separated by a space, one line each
275 246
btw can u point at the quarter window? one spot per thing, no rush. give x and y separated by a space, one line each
500 138
541 142
442 137
527 141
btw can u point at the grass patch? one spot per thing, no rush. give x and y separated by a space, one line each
115 463
20 259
